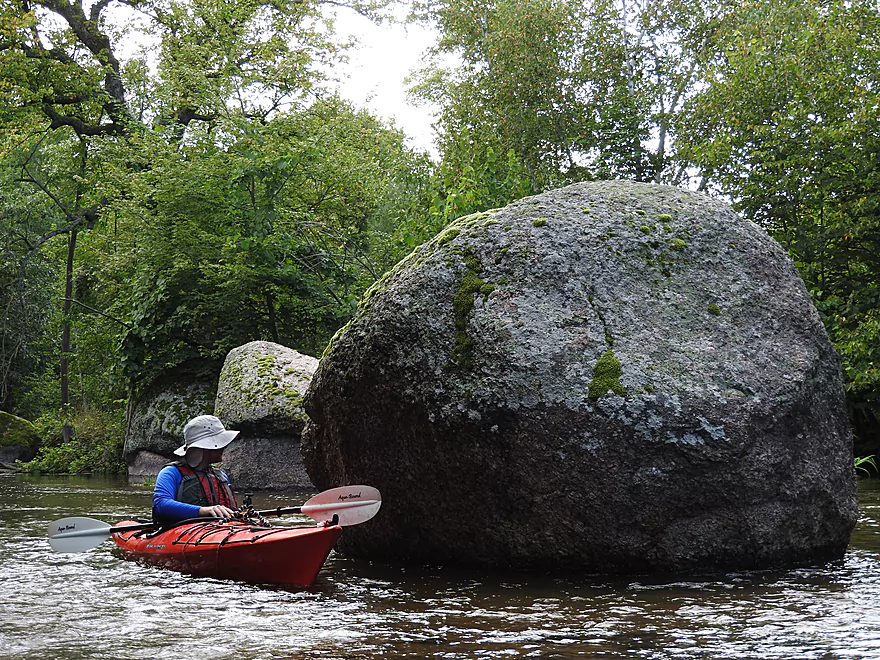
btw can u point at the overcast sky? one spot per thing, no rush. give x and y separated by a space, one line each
378 68
374 76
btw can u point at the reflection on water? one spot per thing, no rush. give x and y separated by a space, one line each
94 605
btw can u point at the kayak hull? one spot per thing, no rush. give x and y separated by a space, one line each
233 550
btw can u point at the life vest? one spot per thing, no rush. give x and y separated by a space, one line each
203 488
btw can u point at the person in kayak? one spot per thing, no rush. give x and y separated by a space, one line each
192 487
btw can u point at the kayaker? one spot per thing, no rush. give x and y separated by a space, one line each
192 487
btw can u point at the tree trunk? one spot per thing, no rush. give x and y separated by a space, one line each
67 429
273 326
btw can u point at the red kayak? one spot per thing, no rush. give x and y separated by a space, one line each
233 550
246 548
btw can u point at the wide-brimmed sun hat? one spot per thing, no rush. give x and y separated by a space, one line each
205 432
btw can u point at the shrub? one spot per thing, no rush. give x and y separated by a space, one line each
863 462
96 445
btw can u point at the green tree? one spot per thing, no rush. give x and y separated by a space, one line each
505 125
787 126
274 237
26 282
549 92
209 190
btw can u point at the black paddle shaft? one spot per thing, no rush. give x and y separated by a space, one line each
280 511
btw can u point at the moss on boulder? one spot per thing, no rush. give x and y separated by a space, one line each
17 432
261 387
19 440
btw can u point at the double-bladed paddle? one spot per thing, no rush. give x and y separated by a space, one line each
352 505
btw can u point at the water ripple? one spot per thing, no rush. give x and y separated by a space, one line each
94 605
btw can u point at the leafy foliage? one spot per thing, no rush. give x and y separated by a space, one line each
273 237
96 447
548 93
863 463
209 191
797 154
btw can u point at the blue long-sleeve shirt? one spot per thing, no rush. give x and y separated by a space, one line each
165 507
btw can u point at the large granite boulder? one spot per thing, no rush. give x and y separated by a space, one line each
610 377
260 393
19 440
157 418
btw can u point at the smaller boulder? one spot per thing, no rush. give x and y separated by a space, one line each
145 466
157 418
272 463
19 440
260 393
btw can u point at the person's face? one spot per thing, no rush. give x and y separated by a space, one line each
214 455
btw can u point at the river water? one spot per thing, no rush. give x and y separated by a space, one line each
94 605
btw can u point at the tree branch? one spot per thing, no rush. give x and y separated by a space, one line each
79 126
98 311
39 184
68 99
99 45
97 8
52 234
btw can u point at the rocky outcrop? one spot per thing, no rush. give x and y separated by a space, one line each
157 419
610 377
144 465
19 440
260 393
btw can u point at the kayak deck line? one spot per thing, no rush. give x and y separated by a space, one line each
221 521
230 533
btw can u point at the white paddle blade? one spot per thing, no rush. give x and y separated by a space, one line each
77 534
352 504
